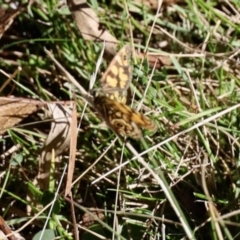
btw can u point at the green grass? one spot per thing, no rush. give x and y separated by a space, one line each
179 182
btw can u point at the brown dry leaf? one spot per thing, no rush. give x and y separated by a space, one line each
14 110
88 24
58 141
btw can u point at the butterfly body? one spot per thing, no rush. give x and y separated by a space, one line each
110 100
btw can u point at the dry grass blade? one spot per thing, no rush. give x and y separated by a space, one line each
73 146
69 198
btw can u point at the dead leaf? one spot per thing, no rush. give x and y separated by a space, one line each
58 140
89 26
14 110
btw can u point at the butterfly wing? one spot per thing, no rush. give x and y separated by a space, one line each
117 78
122 119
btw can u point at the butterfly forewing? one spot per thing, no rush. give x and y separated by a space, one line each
118 76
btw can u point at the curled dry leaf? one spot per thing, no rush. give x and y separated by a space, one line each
58 140
14 110
88 24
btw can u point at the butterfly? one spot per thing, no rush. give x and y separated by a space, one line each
110 100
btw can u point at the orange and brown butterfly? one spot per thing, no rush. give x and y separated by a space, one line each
110 100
